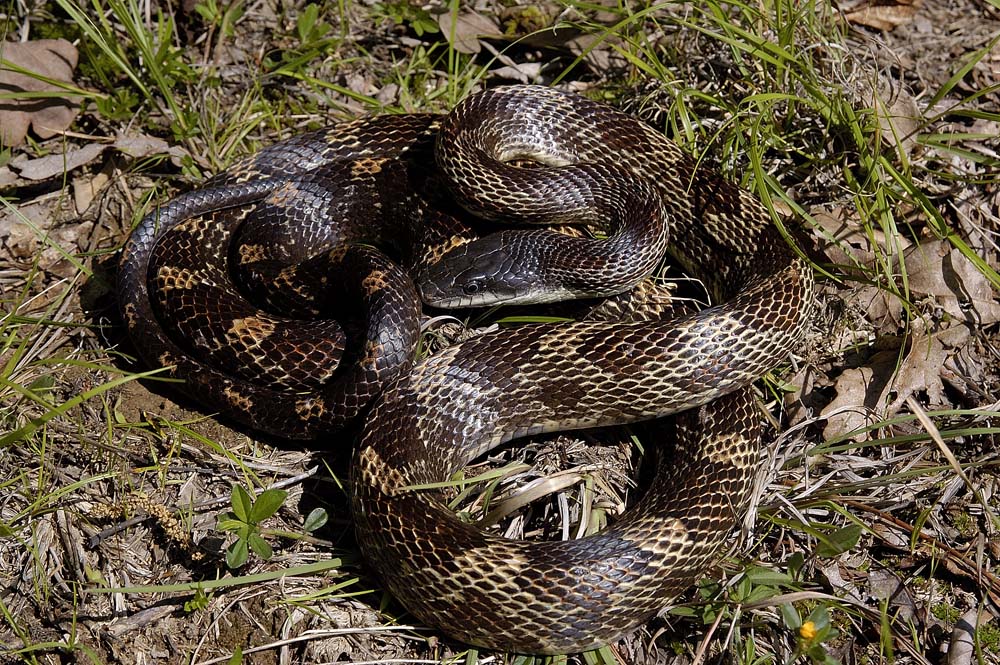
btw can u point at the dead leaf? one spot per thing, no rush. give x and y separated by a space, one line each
834 578
920 371
863 394
34 229
966 373
882 14
138 146
21 229
938 270
882 308
7 177
135 146
525 72
885 585
844 240
468 29
857 404
47 116
85 189
595 50
935 269
51 166
899 120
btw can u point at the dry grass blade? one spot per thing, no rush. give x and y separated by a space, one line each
932 430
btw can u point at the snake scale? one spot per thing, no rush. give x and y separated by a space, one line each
421 185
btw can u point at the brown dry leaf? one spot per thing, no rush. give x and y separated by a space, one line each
34 231
843 240
938 270
469 28
50 58
51 166
882 308
882 14
835 579
921 369
899 120
525 72
885 585
7 177
595 50
858 400
135 146
86 189
138 146
863 392
23 224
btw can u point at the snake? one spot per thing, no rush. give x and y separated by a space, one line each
409 202
563 597
229 288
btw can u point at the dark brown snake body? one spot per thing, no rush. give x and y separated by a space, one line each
431 420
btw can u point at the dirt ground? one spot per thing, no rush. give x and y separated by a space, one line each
876 505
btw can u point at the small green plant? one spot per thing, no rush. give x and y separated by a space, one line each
310 29
946 612
131 46
198 602
840 541
244 520
811 633
314 40
222 19
989 637
416 18
120 104
757 584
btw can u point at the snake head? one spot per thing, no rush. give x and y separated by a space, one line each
498 269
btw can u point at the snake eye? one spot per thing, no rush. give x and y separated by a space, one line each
472 287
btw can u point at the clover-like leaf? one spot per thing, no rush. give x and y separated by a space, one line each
315 520
242 503
260 546
229 522
237 554
266 505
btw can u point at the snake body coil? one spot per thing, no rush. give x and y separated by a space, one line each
369 182
543 597
239 287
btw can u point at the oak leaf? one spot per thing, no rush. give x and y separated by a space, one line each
31 67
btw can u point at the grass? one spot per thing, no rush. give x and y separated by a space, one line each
777 94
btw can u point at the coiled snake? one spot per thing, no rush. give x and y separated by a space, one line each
522 596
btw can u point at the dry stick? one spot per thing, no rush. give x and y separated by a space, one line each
319 635
969 568
114 529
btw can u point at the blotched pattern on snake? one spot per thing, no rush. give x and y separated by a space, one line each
372 178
